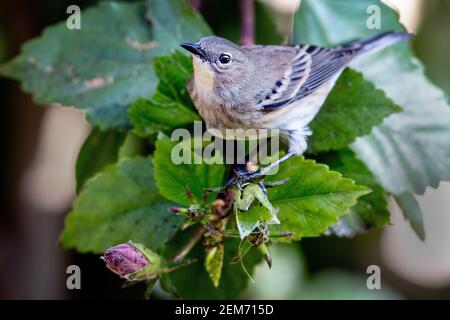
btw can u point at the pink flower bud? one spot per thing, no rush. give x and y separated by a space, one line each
124 259
175 210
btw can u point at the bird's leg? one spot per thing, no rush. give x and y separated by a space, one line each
274 164
246 175
239 169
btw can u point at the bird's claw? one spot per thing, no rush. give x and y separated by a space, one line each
242 177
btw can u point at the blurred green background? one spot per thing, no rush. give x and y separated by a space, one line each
39 146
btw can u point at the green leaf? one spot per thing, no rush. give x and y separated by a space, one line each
411 211
119 204
371 209
353 107
174 21
150 286
193 281
172 179
105 65
133 146
170 106
100 149
262 210
214 263
410 150
313 199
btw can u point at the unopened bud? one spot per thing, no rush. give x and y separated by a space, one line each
124 259
179 210
134 262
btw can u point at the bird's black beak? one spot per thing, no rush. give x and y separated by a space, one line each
194 49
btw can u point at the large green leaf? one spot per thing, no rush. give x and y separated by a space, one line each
313 199
371 209
107 64
170 106
105 147
174 21
410 150
121 203
173 179
411 210
353 107
193 281
100 149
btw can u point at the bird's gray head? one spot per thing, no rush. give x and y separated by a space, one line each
217 61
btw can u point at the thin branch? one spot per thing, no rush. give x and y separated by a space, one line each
184 251
247 22
196 4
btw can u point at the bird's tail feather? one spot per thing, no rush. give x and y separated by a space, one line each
383 40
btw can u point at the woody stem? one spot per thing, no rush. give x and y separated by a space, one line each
247 22
184 251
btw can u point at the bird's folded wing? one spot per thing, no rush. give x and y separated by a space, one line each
310 67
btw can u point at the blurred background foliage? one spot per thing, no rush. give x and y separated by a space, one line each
432 44
39 147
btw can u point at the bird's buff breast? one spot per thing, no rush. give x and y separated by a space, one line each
201 90
204 77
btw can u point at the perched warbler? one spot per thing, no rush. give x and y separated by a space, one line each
269 86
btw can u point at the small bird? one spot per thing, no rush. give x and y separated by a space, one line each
270 86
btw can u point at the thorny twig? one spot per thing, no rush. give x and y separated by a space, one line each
184 251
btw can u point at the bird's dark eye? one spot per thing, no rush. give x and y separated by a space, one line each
225 58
